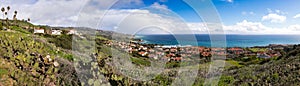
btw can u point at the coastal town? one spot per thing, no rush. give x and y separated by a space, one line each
174 53
38 47
179 53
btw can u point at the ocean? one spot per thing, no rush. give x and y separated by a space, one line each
227 40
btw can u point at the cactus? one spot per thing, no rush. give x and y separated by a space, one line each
91 81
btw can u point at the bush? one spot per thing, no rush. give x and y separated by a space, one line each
63 41
140 61
226 80
69 57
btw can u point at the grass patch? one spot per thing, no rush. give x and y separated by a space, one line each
226 81
258 49
101 38
19 29
63 41
232 63
3 72
140 61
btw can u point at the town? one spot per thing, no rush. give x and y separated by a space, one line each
179 53
172 53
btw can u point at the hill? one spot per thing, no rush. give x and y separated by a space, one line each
42 59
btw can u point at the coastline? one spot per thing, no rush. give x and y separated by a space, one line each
168 46
243 41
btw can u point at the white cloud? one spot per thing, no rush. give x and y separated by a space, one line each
248 13
58 12
127 3
246 27
251 13
159 6
163 0
270 10
294 27
274 18
230 1
297 16
88 14
65 13
133 20
244 13
277 11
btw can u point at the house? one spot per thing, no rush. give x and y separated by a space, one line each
153 56
143 53
201 49
205 54
236 50
159 53
263 55
72 31
177 59
276 47
170 55
173 49
39 30
56 32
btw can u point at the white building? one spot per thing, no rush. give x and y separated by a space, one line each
72 32
39 31
56 32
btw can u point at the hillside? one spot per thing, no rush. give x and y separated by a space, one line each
41 59
284 71
25 60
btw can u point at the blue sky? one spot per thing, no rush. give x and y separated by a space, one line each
278 13
237 16
233 11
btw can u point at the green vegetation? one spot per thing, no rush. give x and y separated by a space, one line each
232 64
258 49
63 41
19 29
226 81
3 72
140 61
28 58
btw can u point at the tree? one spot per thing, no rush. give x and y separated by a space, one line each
1 26
15 15
28 19
3 10
7 23
8 8
5 13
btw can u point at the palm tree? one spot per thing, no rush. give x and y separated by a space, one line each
7 23
8 8
5 13
15 16
3 9
16 12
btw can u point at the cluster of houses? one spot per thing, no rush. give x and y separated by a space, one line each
174 53
54 31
